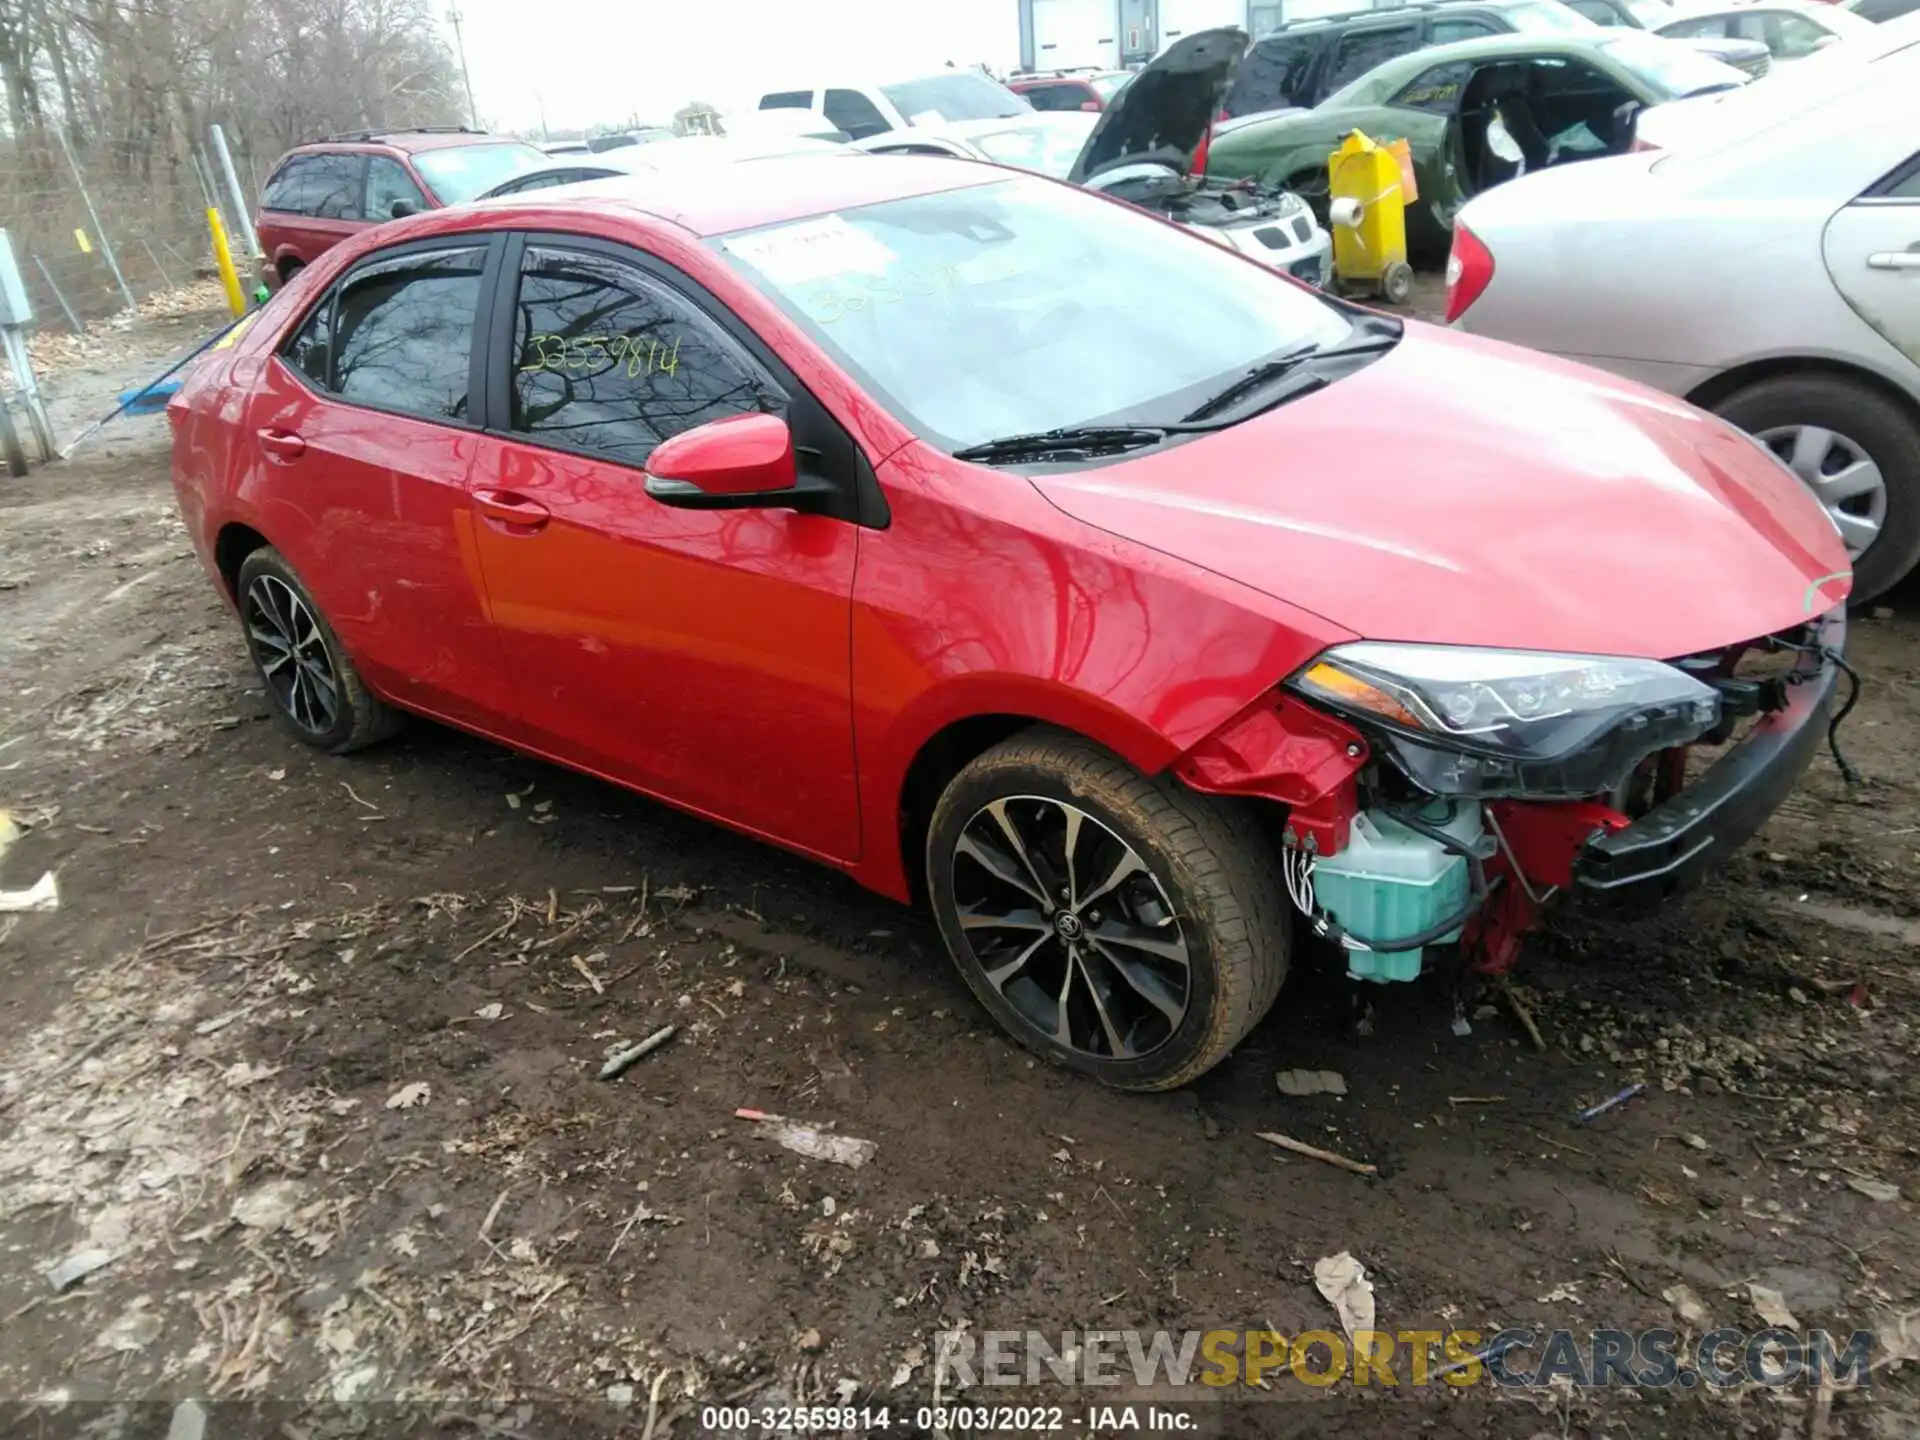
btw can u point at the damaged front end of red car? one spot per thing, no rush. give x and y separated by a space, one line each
1438 800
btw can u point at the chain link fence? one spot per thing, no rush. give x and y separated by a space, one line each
98 227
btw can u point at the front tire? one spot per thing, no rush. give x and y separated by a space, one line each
316 694
1857 451
1122 926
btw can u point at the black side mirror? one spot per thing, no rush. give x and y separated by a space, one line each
400 209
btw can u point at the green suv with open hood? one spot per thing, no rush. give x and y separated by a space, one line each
1475 113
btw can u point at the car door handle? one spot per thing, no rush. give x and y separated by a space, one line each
281 444
512 511
1894 260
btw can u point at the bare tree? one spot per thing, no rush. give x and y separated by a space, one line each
135 83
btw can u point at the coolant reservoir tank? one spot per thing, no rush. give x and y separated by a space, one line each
1392 882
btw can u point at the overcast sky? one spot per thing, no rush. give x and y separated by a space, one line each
600 61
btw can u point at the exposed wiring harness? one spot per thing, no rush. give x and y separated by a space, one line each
1835 658
1297 870
1847 772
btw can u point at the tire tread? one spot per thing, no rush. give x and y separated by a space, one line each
1223 853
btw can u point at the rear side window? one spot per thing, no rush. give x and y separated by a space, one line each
608 361
787 100
397 334
1902 184
1598 11
1274 75
852 112
1712 26
324 186
1057 97
1445 32
1360 50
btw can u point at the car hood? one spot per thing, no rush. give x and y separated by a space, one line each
1460 491
1163 114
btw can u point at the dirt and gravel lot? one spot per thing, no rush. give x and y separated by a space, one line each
309 1048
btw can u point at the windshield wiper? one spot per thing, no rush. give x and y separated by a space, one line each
1067 440
1267 371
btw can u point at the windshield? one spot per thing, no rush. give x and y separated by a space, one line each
460 172
1022 305
1539 17
1669 68
1109 86
1651 14
961 95
1049 144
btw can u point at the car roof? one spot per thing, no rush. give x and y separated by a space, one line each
712 200
407 140
1384 14
1705 11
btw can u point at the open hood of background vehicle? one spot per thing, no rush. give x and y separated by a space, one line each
1462 492
1163 114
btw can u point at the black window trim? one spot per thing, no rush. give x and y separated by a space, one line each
1881 191
857 499
490 243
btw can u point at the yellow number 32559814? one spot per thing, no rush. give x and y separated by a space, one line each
635 354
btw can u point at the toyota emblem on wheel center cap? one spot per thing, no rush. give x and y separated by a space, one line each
1068 924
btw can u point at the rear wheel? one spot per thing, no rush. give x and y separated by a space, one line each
316 694
1119 925
1857 451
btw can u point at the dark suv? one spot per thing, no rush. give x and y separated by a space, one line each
326 190
1299 65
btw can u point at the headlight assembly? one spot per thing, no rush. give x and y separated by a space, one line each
1510 722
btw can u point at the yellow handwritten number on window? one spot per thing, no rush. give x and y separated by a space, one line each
636 355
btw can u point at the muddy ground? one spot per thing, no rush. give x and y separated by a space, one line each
308 1049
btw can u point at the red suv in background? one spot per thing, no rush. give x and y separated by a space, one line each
1071 90
326 190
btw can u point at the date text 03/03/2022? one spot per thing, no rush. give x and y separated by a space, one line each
945 1419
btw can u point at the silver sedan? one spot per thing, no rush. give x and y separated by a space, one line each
1764 264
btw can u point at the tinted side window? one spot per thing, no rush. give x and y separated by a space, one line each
852 112
606 360
327 186
1786 36
1714 26
1598 11
1902 184
1445 32
1057 97
283 186
1361 50
1274 75
787 100
1437 91
403 333
546 179
389 184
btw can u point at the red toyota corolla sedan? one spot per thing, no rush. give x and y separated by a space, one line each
1018 552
